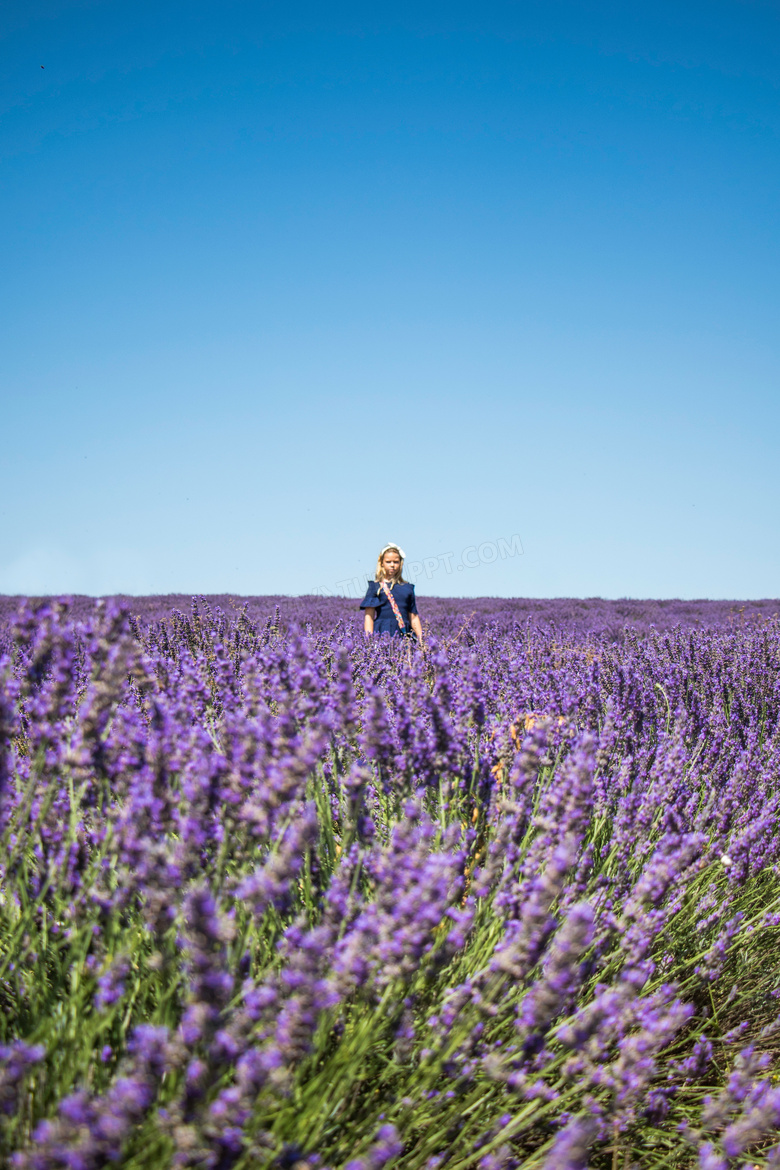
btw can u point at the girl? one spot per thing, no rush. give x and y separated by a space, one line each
390 604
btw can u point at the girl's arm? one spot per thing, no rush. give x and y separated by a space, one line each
368 620
416 626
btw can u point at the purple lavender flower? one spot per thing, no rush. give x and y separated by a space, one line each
16 1061
571 1146
514 862
111 984
710 1159
90 1131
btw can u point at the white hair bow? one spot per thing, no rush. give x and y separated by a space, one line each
397 548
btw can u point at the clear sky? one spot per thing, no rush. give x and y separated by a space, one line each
280 282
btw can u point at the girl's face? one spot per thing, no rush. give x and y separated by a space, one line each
391 563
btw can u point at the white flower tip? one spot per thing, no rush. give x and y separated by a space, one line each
725 860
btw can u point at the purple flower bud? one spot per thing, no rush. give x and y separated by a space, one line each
571 1146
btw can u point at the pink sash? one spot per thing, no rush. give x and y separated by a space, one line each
394 605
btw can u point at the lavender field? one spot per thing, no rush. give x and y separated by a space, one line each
276 895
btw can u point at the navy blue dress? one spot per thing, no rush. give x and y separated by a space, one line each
385 621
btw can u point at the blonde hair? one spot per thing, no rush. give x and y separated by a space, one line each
381 575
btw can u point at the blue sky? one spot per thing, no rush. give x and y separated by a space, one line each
280 282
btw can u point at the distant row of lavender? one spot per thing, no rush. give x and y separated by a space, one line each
273 894
581 614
